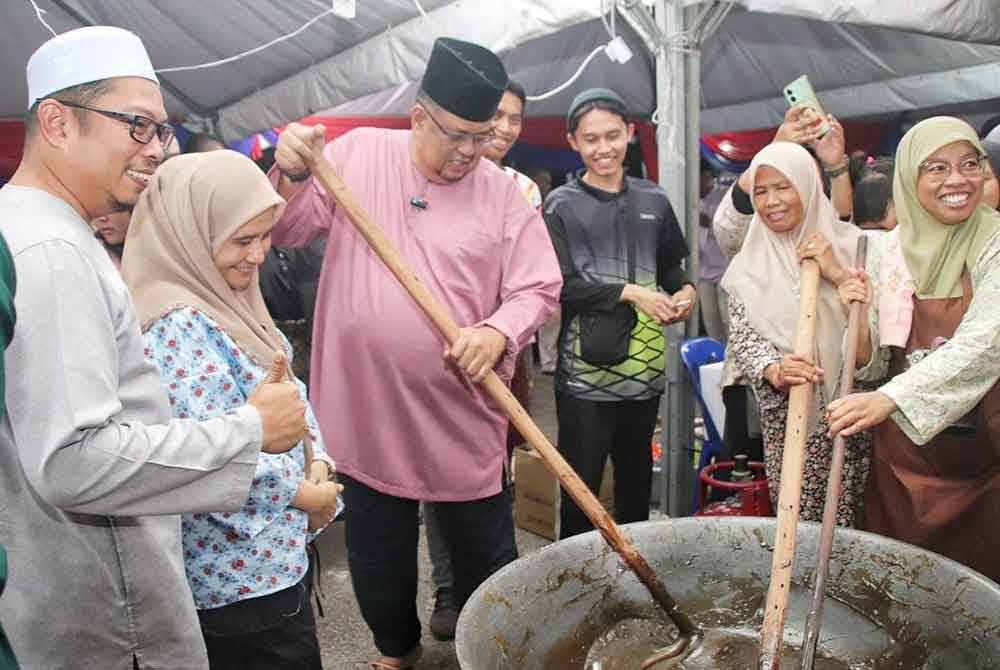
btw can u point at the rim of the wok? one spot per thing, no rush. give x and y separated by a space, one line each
810 526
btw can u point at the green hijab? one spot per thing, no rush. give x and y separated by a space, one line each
937 254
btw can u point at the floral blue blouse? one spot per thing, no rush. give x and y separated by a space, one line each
262 548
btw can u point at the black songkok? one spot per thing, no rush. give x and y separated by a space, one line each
465 79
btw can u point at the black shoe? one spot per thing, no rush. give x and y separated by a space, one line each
445 615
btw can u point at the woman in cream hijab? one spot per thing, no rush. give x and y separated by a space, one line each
197 236
933 342
793 220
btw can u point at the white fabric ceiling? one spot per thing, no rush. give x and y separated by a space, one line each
855 51
970 20
861 71
331 61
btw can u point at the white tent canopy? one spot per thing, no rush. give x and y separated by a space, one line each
861 70
867 70
858 53
967 20
331 61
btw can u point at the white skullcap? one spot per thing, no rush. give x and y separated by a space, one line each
84 55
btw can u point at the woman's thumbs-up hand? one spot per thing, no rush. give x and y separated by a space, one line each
281 408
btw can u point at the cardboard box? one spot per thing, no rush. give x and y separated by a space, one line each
542 519
537 494
533 478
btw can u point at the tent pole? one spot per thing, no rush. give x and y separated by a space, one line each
669 16
692 152
213 125
676 408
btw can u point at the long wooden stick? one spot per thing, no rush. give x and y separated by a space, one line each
790 490
834 482
571 482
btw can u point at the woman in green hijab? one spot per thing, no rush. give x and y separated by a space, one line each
933 342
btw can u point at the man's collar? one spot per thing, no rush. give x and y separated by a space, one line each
600 193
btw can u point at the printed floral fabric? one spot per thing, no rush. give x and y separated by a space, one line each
729 225
261 549
529 189
753 354
895 292
947 383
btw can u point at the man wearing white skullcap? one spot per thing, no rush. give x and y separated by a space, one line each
93 469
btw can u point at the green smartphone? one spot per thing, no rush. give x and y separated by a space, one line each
800 92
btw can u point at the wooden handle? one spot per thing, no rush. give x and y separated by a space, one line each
834 482
307 453
790 490
571 482
854 316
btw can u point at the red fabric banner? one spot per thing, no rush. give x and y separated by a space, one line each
548 133
741 147
11 146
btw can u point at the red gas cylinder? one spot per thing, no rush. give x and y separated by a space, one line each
749 486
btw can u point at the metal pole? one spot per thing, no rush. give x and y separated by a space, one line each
676 407
670 103
692 153
213 125
666 479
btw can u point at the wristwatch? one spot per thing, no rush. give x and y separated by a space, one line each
845 164
297 176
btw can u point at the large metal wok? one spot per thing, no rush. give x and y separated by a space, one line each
895 606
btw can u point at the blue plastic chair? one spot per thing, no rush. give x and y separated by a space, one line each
696 352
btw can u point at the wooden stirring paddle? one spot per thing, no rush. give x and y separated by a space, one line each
834 482
571 482
790 490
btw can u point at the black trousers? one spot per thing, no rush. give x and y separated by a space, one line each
590 431
382 533
737 440
273 632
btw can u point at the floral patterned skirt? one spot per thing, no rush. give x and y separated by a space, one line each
816 469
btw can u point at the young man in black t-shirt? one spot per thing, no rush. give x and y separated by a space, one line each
618 244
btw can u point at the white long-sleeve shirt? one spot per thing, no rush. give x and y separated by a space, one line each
93 470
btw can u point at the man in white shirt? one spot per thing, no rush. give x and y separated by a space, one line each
93 470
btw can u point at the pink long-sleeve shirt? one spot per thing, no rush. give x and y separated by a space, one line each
395 415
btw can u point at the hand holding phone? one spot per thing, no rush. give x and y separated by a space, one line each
800 93
800 126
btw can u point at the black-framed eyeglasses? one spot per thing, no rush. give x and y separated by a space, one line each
457 139
140 128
